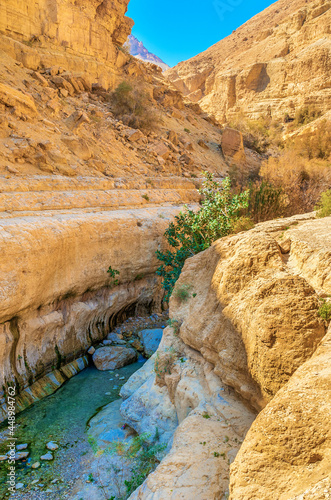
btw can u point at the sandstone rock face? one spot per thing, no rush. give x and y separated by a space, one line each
233 145
273 64
199 418
256 303
250 334
288 448
67 24
111 358
60 298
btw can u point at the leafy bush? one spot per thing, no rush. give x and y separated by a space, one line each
325 311
194 231
324 206
113 273
132 106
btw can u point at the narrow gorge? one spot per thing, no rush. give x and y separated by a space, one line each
100 152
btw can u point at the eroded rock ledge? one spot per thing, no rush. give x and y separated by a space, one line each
56 297
248 341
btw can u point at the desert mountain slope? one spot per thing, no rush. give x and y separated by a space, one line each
137 49
275 63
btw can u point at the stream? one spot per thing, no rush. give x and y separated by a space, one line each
63 418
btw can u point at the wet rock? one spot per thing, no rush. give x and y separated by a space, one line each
52 446
111 358
113 337
150 340
21 447
138 378
19 486
47 456
21 455
91 350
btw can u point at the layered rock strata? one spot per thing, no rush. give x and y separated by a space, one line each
82 36
56 295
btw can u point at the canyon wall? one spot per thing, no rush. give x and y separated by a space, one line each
81 36
56 297
274 64
248 340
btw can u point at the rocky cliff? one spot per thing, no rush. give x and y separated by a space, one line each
272 65
249 340
82 33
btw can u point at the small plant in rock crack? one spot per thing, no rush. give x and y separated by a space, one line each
175 325
164 362
113 273
325 311
182 292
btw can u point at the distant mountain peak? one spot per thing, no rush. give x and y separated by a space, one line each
138 50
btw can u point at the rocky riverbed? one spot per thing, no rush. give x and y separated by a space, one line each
64 419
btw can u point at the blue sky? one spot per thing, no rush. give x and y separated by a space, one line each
176 30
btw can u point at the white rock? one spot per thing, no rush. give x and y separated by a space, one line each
52 446
20 455
91 350
21 447
3 458
35 466
47 456
19 486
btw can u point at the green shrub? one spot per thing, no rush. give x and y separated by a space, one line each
324 206
113 273
132 106
325 311
183 292
194 231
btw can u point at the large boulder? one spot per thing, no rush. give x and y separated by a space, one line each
111 358
253 315
233 145
287 452
150 340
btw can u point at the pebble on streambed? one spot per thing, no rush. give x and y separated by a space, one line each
52 446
